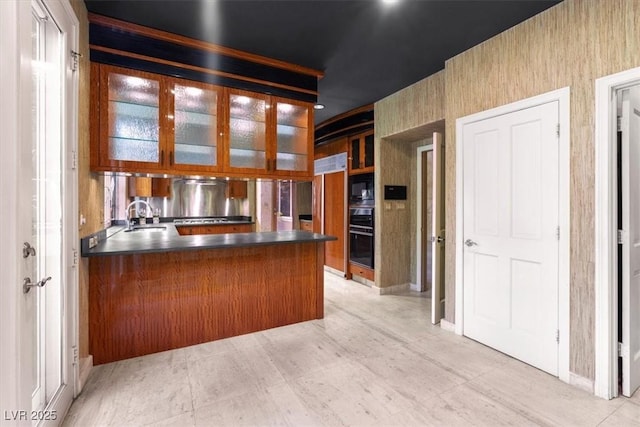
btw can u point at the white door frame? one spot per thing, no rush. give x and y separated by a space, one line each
15 120
606 255
563 97
419 285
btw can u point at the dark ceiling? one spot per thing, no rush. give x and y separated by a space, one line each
367 49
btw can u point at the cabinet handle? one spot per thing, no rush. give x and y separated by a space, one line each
170 158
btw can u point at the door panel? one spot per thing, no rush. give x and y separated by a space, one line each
334 219
437 230
427 229
510 190
631 246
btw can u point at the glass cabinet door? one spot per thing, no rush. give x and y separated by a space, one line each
196 120
134 117
355 153
368 151
247 131
292 137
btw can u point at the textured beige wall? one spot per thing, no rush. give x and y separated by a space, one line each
571 44
402 121
90 186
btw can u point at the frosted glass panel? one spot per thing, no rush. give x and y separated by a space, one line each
133 90
292 140
133 121
292 162
292 137
195 123
135 150
245 107
248 158
133 118
292 115
189 154
247 132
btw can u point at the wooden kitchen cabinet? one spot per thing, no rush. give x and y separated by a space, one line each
152 123
194 126
142 186
148 123
188 230
236 190
269 135
361 153
293 154
161 187
129 122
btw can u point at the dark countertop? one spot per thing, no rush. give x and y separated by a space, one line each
126 243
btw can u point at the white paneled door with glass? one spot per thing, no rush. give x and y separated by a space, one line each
40 44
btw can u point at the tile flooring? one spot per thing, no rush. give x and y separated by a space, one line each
372 361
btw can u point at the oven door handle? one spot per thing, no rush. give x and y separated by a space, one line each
360 233
364 227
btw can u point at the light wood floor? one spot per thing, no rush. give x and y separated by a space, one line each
372 361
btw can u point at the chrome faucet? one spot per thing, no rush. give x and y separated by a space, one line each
135 202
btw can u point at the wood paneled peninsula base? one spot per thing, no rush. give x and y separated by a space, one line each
142 303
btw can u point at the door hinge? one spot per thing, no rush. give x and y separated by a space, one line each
619 349
74 159
75 354
623 350
74 257
74 60
558 232
558 130
558 336
620 237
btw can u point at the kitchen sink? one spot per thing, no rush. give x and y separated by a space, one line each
147 228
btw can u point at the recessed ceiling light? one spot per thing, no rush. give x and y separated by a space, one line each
318 106
389 2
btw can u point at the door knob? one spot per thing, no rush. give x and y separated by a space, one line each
27 285
470 243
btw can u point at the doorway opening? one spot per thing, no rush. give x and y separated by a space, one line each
617 234
430 224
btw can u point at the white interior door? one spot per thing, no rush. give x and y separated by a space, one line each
631 242
437 230
510 226
48 202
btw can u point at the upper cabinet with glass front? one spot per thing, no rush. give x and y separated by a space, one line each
248 132
294 138
130 119
195 137
158 124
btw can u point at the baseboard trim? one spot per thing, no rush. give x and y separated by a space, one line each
581 382
395 289
447 326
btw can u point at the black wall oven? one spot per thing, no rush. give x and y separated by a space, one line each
361 230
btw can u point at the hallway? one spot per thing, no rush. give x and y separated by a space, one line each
372 361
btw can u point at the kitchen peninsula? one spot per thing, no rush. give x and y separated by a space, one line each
153 290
